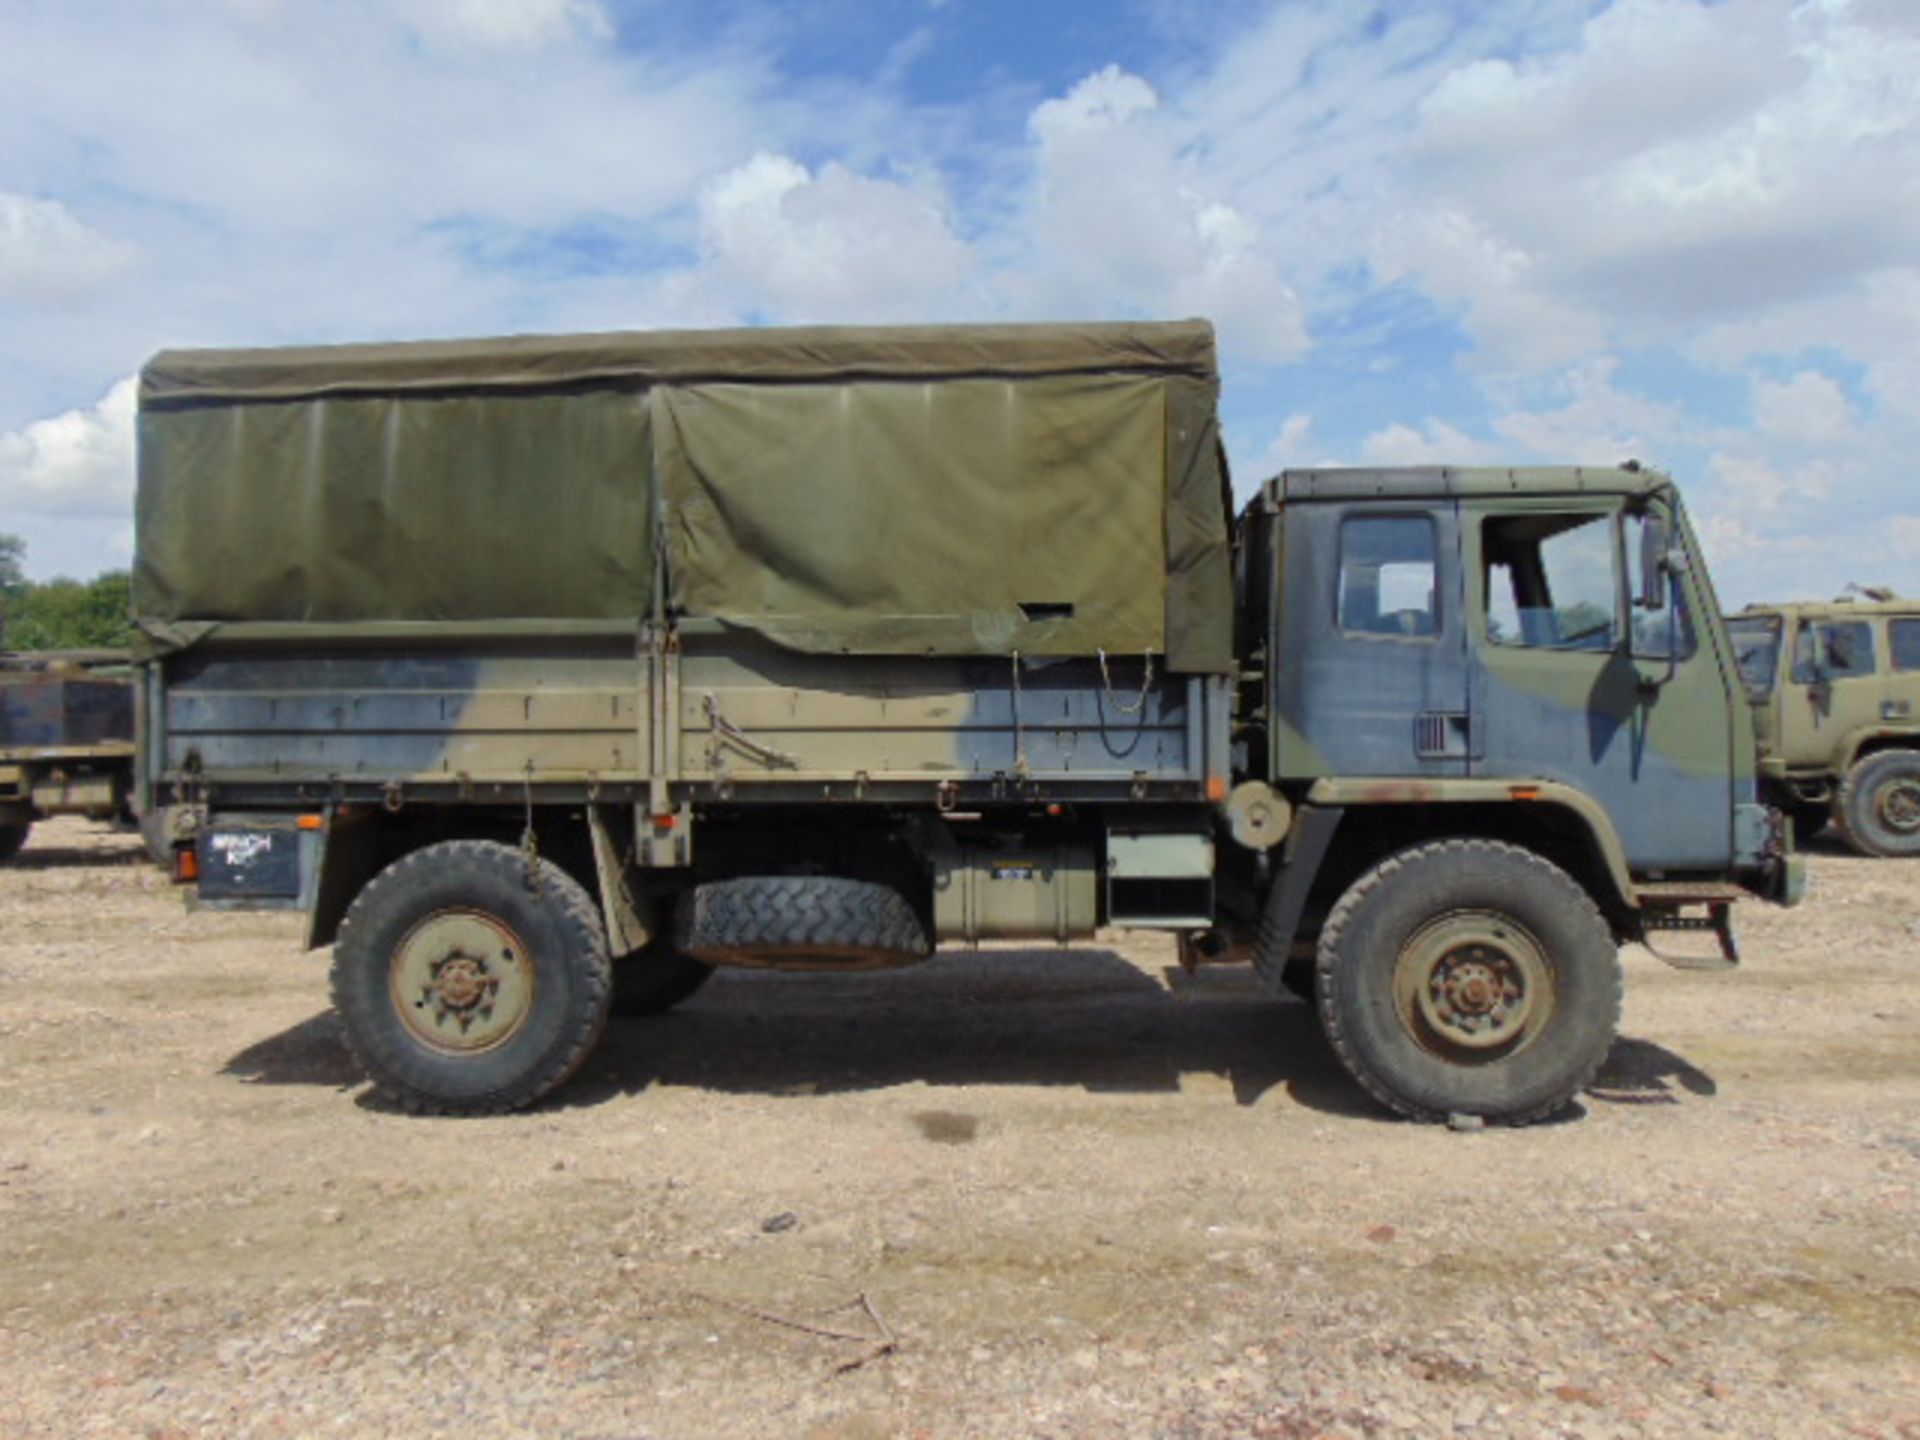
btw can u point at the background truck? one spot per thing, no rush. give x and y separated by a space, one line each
548 674
1835 687
66 739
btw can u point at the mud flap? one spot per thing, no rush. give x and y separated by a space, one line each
264 862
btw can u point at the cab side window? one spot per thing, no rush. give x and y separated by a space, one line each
1903 643
1551 581
1388 570
1833 650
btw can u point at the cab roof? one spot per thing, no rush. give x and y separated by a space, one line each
1448 481
1845 607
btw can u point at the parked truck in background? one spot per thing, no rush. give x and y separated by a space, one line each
66 739
1835 687
548 674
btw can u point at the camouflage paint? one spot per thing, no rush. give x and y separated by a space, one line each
1664 759
745 717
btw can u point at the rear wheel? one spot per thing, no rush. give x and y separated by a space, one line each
1879 804
1469 977
12 837
470 979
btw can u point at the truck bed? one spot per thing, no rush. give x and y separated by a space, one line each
478 716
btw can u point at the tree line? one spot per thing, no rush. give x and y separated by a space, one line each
59 614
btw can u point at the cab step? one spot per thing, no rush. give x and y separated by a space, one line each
1663 907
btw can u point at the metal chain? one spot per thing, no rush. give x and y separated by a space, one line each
529 842
1146 684
1019 730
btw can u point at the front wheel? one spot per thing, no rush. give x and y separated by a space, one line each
1469 977
470 978
1879 804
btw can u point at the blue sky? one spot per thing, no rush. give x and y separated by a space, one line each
1515 231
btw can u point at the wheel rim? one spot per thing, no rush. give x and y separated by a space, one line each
462 982
1898 805
1473 986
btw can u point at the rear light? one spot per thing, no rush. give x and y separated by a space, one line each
186 865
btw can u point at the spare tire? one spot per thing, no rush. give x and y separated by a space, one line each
801 922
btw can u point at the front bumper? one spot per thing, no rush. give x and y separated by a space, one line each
1765 857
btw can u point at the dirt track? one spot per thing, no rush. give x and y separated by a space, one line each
1085 1195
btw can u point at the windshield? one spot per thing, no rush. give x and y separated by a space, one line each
1756 650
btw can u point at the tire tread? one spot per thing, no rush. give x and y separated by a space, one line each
1384 874
1855 791
578 913
805 913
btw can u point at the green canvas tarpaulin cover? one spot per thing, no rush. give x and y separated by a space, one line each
1051 490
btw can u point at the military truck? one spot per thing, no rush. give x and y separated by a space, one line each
1835 687
548 674
66 739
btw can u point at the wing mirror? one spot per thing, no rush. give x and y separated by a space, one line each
1657 561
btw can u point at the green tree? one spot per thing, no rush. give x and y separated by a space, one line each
13 580
59 614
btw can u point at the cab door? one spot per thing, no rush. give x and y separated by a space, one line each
1901 705
1831 690
1576 681
1374 679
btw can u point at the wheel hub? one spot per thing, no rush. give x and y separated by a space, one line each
1474 982
1899 806
1475 996
461 981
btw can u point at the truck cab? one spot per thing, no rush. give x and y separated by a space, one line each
1835 692
1511 733
1450 630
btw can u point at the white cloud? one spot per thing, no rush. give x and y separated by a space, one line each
1289 447
1809 407
1904 533
47 254
1512 315
778 239
79 463
1124 220
1685 165
1728 539
1434 443
1749 482
1597 422
507 24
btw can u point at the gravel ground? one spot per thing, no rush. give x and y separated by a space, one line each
1048 1193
